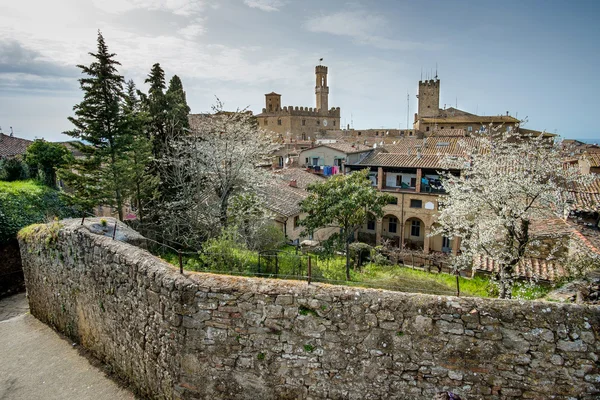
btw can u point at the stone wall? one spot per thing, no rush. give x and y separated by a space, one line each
203 336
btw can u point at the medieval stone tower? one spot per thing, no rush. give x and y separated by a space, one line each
321 89
429 98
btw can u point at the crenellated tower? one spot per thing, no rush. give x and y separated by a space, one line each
321 89
429 98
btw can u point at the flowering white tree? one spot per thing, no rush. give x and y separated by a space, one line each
217 160
509 183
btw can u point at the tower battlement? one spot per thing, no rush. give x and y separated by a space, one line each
303 111
430 82
320 69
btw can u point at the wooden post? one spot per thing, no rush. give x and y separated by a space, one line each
115 230
457 286
180 262
309 272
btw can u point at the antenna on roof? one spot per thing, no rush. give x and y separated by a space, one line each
436 75
407 108
11 131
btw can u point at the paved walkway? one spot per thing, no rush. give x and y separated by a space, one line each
36 363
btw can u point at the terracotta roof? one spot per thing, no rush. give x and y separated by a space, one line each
348 148
382 159
448 133
590 237
344 147
527 268
11 146
593 159
585 197
433 145
302 177
475 119
282 199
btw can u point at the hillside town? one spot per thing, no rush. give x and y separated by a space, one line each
281 252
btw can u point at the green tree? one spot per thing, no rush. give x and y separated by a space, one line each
140 151
45 159
101 176
155 104
178 109
343 201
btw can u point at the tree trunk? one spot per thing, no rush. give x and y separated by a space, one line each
505 282
347 259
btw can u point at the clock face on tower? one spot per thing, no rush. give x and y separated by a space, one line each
324 122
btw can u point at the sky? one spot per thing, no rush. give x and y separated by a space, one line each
536 59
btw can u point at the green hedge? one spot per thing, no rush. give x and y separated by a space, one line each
23 203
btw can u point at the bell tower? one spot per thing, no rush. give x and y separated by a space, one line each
322 90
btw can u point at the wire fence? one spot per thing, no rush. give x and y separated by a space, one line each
292 265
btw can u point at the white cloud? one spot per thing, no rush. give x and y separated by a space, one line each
192 31
264 5
363 27
178 7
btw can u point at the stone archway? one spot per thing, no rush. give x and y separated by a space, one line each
415 235
391 229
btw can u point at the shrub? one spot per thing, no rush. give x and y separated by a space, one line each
266 237
13 169
223 252
24 203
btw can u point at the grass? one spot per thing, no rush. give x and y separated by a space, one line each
332 270
14 187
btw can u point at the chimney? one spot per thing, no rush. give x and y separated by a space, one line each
419 153
507 113
293 183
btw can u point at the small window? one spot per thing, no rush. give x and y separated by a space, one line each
426 129
415 228
304 136
315 161
441 127
371 224
413 182
318 122
377 133
393 201
445 242
399 180
306 160
303 122
296 221
411 132
359 133
469 128
416 203
278 122
333 122
393 225
451 127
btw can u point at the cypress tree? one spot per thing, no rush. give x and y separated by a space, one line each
177 106
140 151
156 105
100 176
